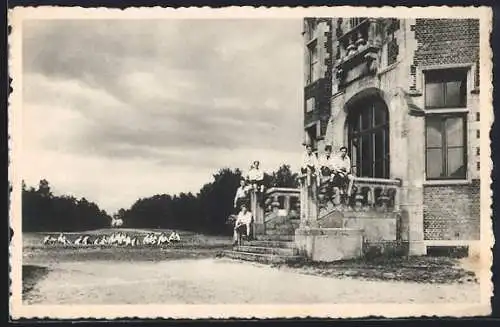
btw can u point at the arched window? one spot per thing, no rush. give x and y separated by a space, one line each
368 134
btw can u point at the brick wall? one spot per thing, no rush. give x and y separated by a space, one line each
452 212
445 42
321 89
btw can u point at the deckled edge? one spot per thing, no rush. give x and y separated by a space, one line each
20 13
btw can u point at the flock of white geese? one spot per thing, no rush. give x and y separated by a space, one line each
116 239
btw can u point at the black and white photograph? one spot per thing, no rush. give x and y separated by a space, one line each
250 162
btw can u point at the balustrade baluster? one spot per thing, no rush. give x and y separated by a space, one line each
358 199
370 196
396 199
383 198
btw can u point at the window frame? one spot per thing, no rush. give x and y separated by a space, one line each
312 75
444 146
310 104
452 71
360 109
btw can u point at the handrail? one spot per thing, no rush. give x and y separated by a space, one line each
378 181
283 190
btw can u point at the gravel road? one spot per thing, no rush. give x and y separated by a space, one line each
221 281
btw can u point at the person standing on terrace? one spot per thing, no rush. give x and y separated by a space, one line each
255 177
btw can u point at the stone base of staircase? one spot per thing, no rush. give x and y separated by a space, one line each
269 249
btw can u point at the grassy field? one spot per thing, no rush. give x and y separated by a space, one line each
192 245
188 239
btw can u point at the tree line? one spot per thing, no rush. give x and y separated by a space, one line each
204 212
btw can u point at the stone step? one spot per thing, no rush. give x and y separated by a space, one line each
261 258
276 237
280 231
266 250
271 244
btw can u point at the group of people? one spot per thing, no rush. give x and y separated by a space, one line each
329 168
118 238
253 181
333 170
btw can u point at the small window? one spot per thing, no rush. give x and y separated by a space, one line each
477 116
445 147
392 51
353 22
310 104
312 136
446 89
313 69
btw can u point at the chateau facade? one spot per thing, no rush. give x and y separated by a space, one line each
403 96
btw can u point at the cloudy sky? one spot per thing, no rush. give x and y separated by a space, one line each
115 110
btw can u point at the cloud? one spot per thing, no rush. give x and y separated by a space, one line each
175 99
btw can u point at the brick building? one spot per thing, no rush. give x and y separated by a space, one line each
403 96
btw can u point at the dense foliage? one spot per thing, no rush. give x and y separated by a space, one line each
205 212
42 211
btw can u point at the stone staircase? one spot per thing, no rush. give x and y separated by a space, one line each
268 249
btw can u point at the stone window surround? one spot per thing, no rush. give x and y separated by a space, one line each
421 92
312 66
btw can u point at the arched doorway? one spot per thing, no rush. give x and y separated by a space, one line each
368 137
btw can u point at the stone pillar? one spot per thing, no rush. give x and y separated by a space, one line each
287 203
309 204
413 186
303 202
258 214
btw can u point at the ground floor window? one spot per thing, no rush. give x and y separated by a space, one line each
369 138
446 147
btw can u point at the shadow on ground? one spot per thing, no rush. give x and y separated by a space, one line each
31 275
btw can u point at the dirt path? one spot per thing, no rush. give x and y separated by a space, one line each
222 281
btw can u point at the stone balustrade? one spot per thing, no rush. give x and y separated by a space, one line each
276 202
281 210
367 194
281 198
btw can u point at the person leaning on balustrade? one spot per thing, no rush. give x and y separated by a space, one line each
241 196
310 165
342 171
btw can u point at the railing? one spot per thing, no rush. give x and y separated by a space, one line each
281 210
281 200
367 194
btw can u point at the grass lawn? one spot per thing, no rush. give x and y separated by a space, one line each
420 269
